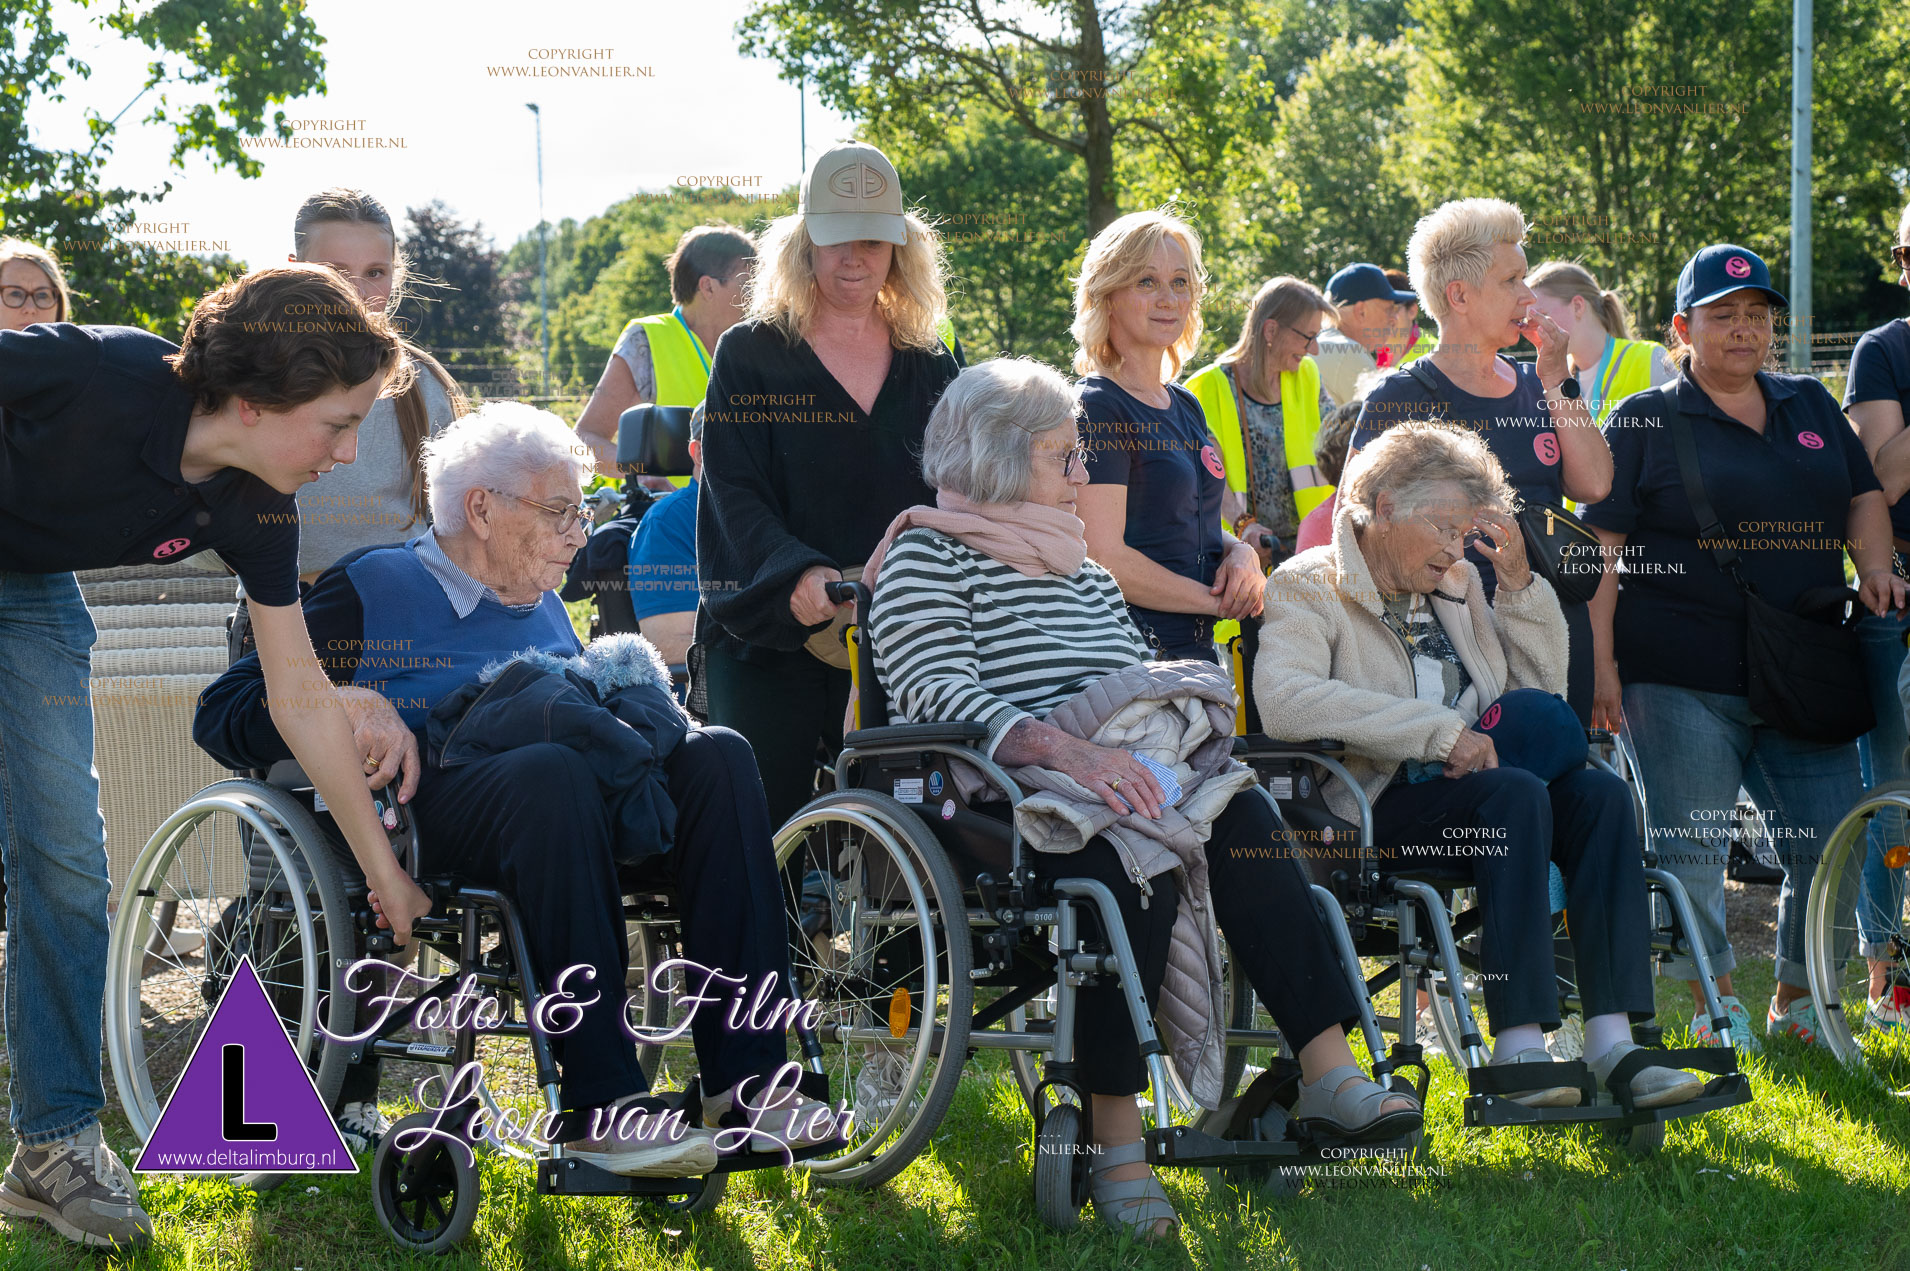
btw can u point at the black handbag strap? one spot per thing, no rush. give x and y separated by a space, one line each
1709 527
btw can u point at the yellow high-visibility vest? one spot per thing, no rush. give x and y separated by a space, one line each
1300 415
678 361
1626 371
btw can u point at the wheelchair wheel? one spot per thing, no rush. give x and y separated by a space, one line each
703 1193
243 864
1244 1012
1839 975
426 1198
650 946
1061 1167
886 970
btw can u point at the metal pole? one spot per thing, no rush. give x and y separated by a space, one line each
802 120
543 251
1800 345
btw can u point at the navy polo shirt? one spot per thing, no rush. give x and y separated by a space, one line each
1174 479
663 556
1517 428
93 423
1880 372
1783 500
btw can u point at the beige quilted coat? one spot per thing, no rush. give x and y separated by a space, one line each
1328 665
1181 715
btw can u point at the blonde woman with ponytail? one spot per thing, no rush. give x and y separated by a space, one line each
379 497
1608 362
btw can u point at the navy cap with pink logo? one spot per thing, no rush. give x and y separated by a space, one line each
1720 269
1536 731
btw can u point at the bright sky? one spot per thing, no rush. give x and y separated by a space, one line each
418 71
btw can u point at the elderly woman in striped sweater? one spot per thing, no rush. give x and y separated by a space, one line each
998 617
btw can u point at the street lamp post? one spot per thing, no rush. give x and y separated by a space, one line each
1801 308
543 251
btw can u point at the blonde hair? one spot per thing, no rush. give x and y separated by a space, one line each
1284 300
33 254
782 291
1903 225
1454 242
1410 460
1117 258
1564 279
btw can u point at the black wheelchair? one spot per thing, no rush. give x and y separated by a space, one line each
265 875
1408 919
924 937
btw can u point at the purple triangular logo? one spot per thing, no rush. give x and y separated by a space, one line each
245 1103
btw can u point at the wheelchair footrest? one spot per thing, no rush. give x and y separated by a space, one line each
1186 1146
570 1177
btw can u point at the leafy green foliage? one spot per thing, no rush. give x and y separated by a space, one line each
455 298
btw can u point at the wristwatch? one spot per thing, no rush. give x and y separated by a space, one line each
1568 388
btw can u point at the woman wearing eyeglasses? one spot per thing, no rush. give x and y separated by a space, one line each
32 287
1877 400
1156 478
1264 401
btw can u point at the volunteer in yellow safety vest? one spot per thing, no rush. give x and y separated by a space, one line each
1609 365
1272 479
665 358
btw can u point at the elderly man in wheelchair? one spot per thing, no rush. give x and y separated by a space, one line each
987 612
559 776
1447 708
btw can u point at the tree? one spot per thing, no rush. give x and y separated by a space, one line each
1177 81
252 54
1655 129
454 305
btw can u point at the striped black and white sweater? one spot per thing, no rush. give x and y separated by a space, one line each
961 636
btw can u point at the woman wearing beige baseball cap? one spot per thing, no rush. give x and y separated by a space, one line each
817 404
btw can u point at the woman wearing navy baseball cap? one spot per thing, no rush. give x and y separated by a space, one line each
1775 488
199 446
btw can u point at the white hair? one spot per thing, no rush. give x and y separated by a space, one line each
500 446
981 434
1454 242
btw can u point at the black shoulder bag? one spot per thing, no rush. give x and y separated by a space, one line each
1560 548
1805 669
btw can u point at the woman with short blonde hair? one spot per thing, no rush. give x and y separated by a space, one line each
1468 269
813 425
1153 505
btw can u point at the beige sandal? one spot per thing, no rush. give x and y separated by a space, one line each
1133 1205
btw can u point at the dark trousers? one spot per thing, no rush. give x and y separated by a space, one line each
533 824
1502 826
1266 912
787 708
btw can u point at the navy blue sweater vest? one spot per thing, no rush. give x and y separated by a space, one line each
416 647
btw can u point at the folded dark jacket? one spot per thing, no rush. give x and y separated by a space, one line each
626 733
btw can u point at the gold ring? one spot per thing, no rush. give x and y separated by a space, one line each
1114 783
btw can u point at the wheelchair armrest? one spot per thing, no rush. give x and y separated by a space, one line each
916 734
1262 742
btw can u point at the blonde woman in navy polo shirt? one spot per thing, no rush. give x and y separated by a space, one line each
199 446
1789 480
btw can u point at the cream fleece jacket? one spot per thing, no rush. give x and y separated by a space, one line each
1329 667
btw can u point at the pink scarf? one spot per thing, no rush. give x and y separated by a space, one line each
1031 538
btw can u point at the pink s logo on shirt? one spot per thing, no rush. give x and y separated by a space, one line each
171 547
1491 716
1738 267
1546 446
1810 441
1211 458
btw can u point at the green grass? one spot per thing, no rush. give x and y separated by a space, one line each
1813 1173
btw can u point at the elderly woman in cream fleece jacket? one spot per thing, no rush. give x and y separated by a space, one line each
1384 640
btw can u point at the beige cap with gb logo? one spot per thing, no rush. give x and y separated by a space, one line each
852 193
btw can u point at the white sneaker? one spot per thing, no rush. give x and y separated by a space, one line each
786 1118
1568 1042
878 1084
363 1126
1427 1031
643 1137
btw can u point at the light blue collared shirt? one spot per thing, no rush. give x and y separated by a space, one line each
463 591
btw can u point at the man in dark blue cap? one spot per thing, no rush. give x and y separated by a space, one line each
1367 306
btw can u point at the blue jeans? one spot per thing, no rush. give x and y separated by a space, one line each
53 842
1694 751
1880 896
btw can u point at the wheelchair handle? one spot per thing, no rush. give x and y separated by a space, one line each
841 593
378 940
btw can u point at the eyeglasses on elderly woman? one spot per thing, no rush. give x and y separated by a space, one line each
567 516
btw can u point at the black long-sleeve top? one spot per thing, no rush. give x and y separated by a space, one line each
796 474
